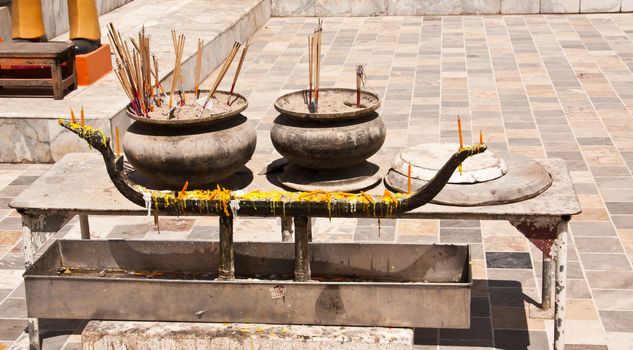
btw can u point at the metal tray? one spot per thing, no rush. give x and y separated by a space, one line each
394 285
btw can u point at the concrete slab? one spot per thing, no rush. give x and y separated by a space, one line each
218 23
105 335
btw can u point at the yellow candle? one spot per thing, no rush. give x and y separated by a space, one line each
184 188
459 128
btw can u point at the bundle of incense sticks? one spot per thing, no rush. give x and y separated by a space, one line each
133 69
198 65
223 70
237 71
179 45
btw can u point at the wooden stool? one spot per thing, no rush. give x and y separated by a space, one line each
53 54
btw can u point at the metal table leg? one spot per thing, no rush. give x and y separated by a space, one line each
227 266
84 225
37 228
560 297
35 341
303 232
286 229
546 284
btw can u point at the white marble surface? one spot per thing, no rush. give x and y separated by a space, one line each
405 7
443 7
24 140
336 8
293 8
358 8
481 6
588 6
520 6
5 23
560 6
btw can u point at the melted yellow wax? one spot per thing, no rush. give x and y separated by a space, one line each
221 198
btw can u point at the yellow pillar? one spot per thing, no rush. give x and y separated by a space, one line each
84 20
26 18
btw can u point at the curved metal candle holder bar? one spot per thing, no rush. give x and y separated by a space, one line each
173 203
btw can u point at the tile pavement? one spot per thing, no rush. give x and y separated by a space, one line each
541 85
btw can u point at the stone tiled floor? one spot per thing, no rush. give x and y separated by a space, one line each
544 86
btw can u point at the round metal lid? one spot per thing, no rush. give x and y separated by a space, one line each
426 159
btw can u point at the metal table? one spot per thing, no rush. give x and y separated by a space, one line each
79 185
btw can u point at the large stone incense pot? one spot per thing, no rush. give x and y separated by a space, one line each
200 150
186 204
328 147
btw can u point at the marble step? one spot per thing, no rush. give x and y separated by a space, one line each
105 335
28 126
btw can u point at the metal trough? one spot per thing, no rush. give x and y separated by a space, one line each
403 285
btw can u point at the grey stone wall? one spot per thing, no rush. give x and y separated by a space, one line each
325 8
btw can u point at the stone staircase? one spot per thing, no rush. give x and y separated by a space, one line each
28 126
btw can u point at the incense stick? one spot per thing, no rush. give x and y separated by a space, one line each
83 117
178 43
481 137
225 67
310 67
360 77
317 58
134 69
237 71
198 65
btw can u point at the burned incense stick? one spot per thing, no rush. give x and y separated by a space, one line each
310 67
360 80
225 67
198 65
178 43
237 71
317 58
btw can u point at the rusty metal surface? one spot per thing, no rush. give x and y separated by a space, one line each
407 285
82 181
